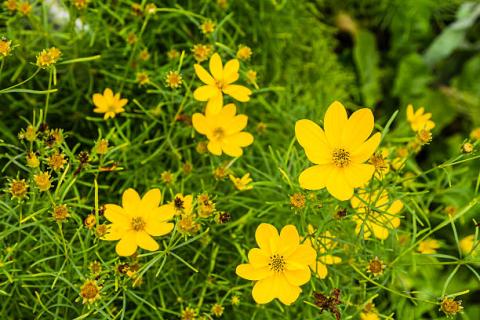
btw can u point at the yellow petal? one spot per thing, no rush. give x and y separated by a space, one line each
316 177
267 237
379 232
214 104
205 93
334 122
237 92
130 201
298 277
115 214
395 207
329 259
236 124
232 150
410 114
203 75
115 232
357 175
127 245
247 271
162 213
303 255
216 68
152 198
108 94
228 112
358 128
338 186
200 123
120 104
321 270
241 139
312 138
262 291
99 101
289 240
230 72
145 241
286 292
258 258
158 228
365 150
214 148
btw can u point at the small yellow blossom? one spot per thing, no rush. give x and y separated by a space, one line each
102 146
108 103
467 147
80 4
182 204
451 306
243 183
173 54
144 55
208 26
218 82
42 180
48 57
132 38
376 214
60 213
173 79
375 267
428 246
339 152
18 188
381 163
419 120
280 262
90 221
201 52
235 301
244 52
187 225
24 8
95 267
217 310
150 8
475 134
224 131
32 160
90 291
137 220
223 4
206 207
252 77
297 200
369 312
467 244
56 161
11 5
142 78
424 137
5 47
188 314
167 177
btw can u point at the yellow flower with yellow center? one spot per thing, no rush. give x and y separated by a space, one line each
108 103
419 120
242 183
219 81
376 214
467 244
428 246
339 152
182 204
279 266
137 220
323 244
223 130
5 47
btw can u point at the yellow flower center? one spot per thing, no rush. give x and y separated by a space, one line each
111 108
218 133
341 157
138 224
219 84
277 263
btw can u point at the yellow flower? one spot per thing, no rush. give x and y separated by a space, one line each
279 266
173 79
224 130
475 134
208 26
201 52
323 244
244 52
369 316
466 244
220 80
381 163
24 8
90 291
182 204
48 57
108 103
42 180
11 5
428 246
5 47
339 152
137 221
242 183
419 120
375 214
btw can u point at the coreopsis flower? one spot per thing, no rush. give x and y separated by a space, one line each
339 152
42 181
243 183
182 204
376 214
48 57
90 291
24 8
201 52
244 52
18 188
428 246
375 267
467 148
208 26
381 163
108 103
173 79
223 130
323 244
298 200
419 120
219 81
369 312
217 310
475 134
32 160
56 161
102 146
11 5
173 54
142 78
60 213
451 306
466 244
5 47
137 220
80 4
279 266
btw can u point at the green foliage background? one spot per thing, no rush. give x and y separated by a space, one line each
422 52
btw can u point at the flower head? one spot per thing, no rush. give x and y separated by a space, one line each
108 103
376 214
419 120
173 79
224 130
323 244
201 52
428 246
137 220
219 81
242 183
279 266
42 180
451 306
339 152
90 291
18 188
5 47
182 204
467 244
208 26
244 52
48 57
